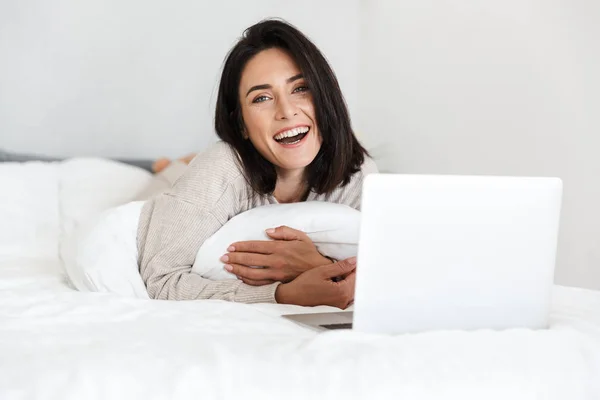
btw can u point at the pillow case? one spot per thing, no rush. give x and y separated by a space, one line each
90 186
332 227
29 215
103 253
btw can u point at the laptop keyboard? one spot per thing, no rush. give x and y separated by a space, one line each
338 326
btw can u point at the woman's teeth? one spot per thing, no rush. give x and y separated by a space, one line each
292 136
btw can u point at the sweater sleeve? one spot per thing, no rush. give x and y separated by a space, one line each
174 225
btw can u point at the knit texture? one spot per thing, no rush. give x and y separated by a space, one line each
174 224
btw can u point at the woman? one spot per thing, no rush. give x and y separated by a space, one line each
285 137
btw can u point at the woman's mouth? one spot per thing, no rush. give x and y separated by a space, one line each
292 136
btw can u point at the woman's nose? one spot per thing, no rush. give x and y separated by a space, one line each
286 109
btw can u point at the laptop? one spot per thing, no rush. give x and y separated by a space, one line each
452 253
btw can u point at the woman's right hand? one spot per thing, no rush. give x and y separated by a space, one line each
316 286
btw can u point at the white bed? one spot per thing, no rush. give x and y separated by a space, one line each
62 344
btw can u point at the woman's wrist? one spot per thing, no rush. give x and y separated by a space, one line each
281 294
322 260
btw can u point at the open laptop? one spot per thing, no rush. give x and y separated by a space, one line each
452 252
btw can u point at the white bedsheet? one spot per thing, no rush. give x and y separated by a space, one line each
56 343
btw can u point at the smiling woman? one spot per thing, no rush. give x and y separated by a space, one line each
286 137
279 118
275 79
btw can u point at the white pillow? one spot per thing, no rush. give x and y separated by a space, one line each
29 216
332 227
91 186
103 252
101 255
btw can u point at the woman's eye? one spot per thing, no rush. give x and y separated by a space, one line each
301 89
260 99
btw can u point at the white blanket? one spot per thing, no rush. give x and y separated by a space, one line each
59 343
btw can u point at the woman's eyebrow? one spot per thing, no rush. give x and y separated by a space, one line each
258 87
295 78
267 86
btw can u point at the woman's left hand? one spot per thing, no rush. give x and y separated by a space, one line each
284 258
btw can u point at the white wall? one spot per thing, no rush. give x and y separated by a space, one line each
137 78
482 87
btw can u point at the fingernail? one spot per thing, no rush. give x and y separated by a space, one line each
225 258
270 230
229 268
231 248
352 260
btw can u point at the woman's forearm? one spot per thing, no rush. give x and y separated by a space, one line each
181 284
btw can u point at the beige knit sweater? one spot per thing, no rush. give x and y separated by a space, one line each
174 224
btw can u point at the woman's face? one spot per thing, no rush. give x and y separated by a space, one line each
278 112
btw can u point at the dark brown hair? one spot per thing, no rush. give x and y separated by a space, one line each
340 156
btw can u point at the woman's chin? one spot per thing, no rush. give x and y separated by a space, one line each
300 159
286 162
